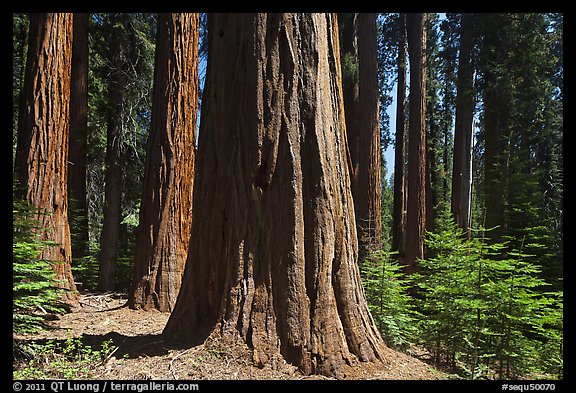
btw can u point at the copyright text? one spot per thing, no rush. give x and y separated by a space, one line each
103 386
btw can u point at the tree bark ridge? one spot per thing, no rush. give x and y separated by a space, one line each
273 255
41 162
165 214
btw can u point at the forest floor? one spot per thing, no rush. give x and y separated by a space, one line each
139 352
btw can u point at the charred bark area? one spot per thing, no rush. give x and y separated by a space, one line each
416 204
41 162
272 257
165 213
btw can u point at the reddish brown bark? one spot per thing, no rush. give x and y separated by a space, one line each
366 181
165 213
272 258
78 134
416 204
361 107
400 146
42 152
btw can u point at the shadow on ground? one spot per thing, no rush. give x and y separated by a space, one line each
125 346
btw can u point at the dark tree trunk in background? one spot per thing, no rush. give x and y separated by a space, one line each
400 145
166 207
462 167
416 209
432 182
366 181
78 136
273 252
110 235
361 107
498 100
41 162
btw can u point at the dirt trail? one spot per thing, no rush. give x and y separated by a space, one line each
142 354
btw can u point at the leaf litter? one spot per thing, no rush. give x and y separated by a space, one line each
141 354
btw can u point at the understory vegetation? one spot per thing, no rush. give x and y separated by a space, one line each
35 292
479 309
70 359
480 298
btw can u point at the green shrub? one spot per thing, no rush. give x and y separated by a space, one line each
66 360
391 307
486 315
35 288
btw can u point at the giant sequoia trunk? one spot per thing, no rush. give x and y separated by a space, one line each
272 257
41 162
362 125
400 145
462 166
165 213
416 205
78 135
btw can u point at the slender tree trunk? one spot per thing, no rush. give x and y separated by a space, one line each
446 132
41 162
497 99
78 135
400 145
445 197
110 235
349 63
273 252
165 213
366 188
462 167
20 41
416 209
432 179
359 44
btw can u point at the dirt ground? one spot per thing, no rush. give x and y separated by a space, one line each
141 354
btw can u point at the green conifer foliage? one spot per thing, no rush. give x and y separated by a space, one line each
386 289
35 291
486 316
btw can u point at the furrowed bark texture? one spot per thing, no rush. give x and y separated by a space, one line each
165 214
462 166
272 258
42 153
400 146
363 128
78 134
416 204
367 181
